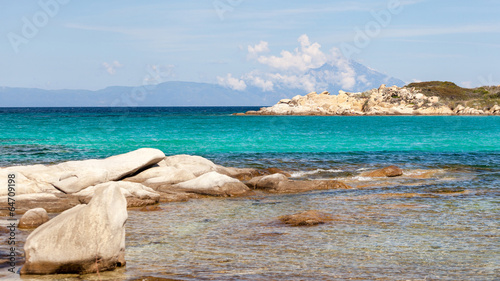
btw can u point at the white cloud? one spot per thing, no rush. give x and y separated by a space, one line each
259 80
297 69
466 84
231 82
306 57
254 51
306 82
111 67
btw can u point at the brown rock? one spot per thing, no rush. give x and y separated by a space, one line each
242 174
307 218
4 229
278 183
308 185
277 171
391 171
267 182
33 218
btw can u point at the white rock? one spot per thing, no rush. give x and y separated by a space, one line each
24 185
137 194
83 239
81 174
213 183
162 174
73 176
195 164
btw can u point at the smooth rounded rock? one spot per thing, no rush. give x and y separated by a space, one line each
213 183
33 218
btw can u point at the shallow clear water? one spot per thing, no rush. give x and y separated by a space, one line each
439 221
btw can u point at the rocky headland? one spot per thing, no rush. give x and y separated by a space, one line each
426 98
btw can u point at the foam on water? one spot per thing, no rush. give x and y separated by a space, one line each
299 174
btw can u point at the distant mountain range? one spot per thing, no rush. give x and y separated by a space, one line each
175 93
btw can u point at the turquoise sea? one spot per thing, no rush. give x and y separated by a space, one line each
440 221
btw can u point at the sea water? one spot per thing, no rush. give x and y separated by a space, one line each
439 221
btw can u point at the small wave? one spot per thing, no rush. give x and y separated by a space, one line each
360 178
363 169
300 174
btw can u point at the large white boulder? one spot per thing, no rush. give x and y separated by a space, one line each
73 176
83 239
195 164
213 183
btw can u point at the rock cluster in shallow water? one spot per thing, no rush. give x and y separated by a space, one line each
88 236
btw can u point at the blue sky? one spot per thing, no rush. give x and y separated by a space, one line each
95 44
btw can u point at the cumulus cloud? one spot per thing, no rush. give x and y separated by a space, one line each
231 82
299 69
257 79
111 67
254 51
305 57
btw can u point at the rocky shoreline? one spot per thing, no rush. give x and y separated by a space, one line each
382 101
92 197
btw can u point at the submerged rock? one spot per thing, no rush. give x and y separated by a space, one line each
391 171
33 218
84 239
307 218
273 170
279 183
